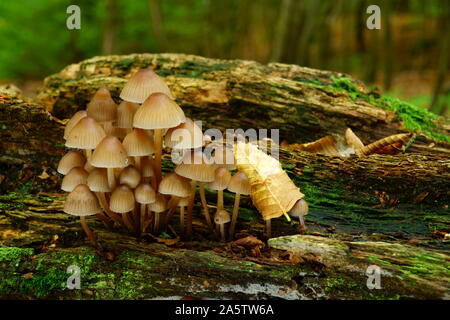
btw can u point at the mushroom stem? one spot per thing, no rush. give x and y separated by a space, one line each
173 203
268 228
115 217
142 216
222 231
182 221
219 199
137 162
88 230
88 153
111 178
237 199
106 221
127 221
205 205
158 153
157 216
190 209
302 226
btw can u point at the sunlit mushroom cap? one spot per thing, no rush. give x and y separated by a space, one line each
239 184
70 160
75 177
142 84
130 176
144 194
102 107
158 112
300 208
221 217
98 180
147 167
160 204
109 153
186 135
196 166
175 185
122 199
125 114
86 134
221 179
73 122
138 143
81 202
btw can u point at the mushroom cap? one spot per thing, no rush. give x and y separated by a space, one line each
239 184
142 84
187 135
81 202
224 157
158 112
130 176
76 176
175 185
196 166
160 204
73 122
221 217
70 160
147 167
300 208
102 107
145 194
183 202
122 199
221 179
86 134
98 180
138 143
125 114
120 133
109 153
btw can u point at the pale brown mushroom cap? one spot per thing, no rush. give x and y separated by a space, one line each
81 202
224 157
70 160
74 177
300 208
147 167
186 135
175 185
221 179
73 122
122 199
98 180
239 184
86 134
102 107
138 143
196 166
142 84
183 202
130 176
158 112
120 133
160 204
145 194
109 153
221 217
125 114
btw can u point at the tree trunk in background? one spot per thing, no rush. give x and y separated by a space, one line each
156 21
388 45
444 54
310 24
360 18
110 27
282 28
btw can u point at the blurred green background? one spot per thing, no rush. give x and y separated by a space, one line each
408 58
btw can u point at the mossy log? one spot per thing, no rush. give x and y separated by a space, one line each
399 201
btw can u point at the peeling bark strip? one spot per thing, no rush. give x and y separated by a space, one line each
229 93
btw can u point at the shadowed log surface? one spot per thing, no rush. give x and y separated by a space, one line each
391 211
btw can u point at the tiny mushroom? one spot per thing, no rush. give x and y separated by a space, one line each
142 84
158 207
221 218
86 135
300 209
122 201
138 144
70 160
144 195
103 109
239 184
73 122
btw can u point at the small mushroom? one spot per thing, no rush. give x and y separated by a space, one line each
73 122
239 184
70 160
187 135
142 84
130 176
144 195
158 207
125 114
103 109
300 209
221 218
138 144
122 201
86 135
73 178
182 204
82 202
110 154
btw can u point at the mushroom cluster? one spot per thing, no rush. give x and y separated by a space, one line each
114 170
